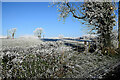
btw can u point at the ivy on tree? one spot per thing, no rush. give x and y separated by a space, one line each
100 15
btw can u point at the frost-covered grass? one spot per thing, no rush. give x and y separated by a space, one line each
20 42
23 58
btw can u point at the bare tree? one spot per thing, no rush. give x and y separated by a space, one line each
12 32
8 34
38 32
61 36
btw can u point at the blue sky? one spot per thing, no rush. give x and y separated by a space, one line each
27 16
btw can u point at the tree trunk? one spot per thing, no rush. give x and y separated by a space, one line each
39 36
13 35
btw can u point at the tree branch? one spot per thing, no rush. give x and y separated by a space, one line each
74 13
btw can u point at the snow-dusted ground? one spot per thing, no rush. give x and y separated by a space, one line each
20 42
28 57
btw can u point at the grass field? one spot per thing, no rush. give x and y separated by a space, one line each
33 58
